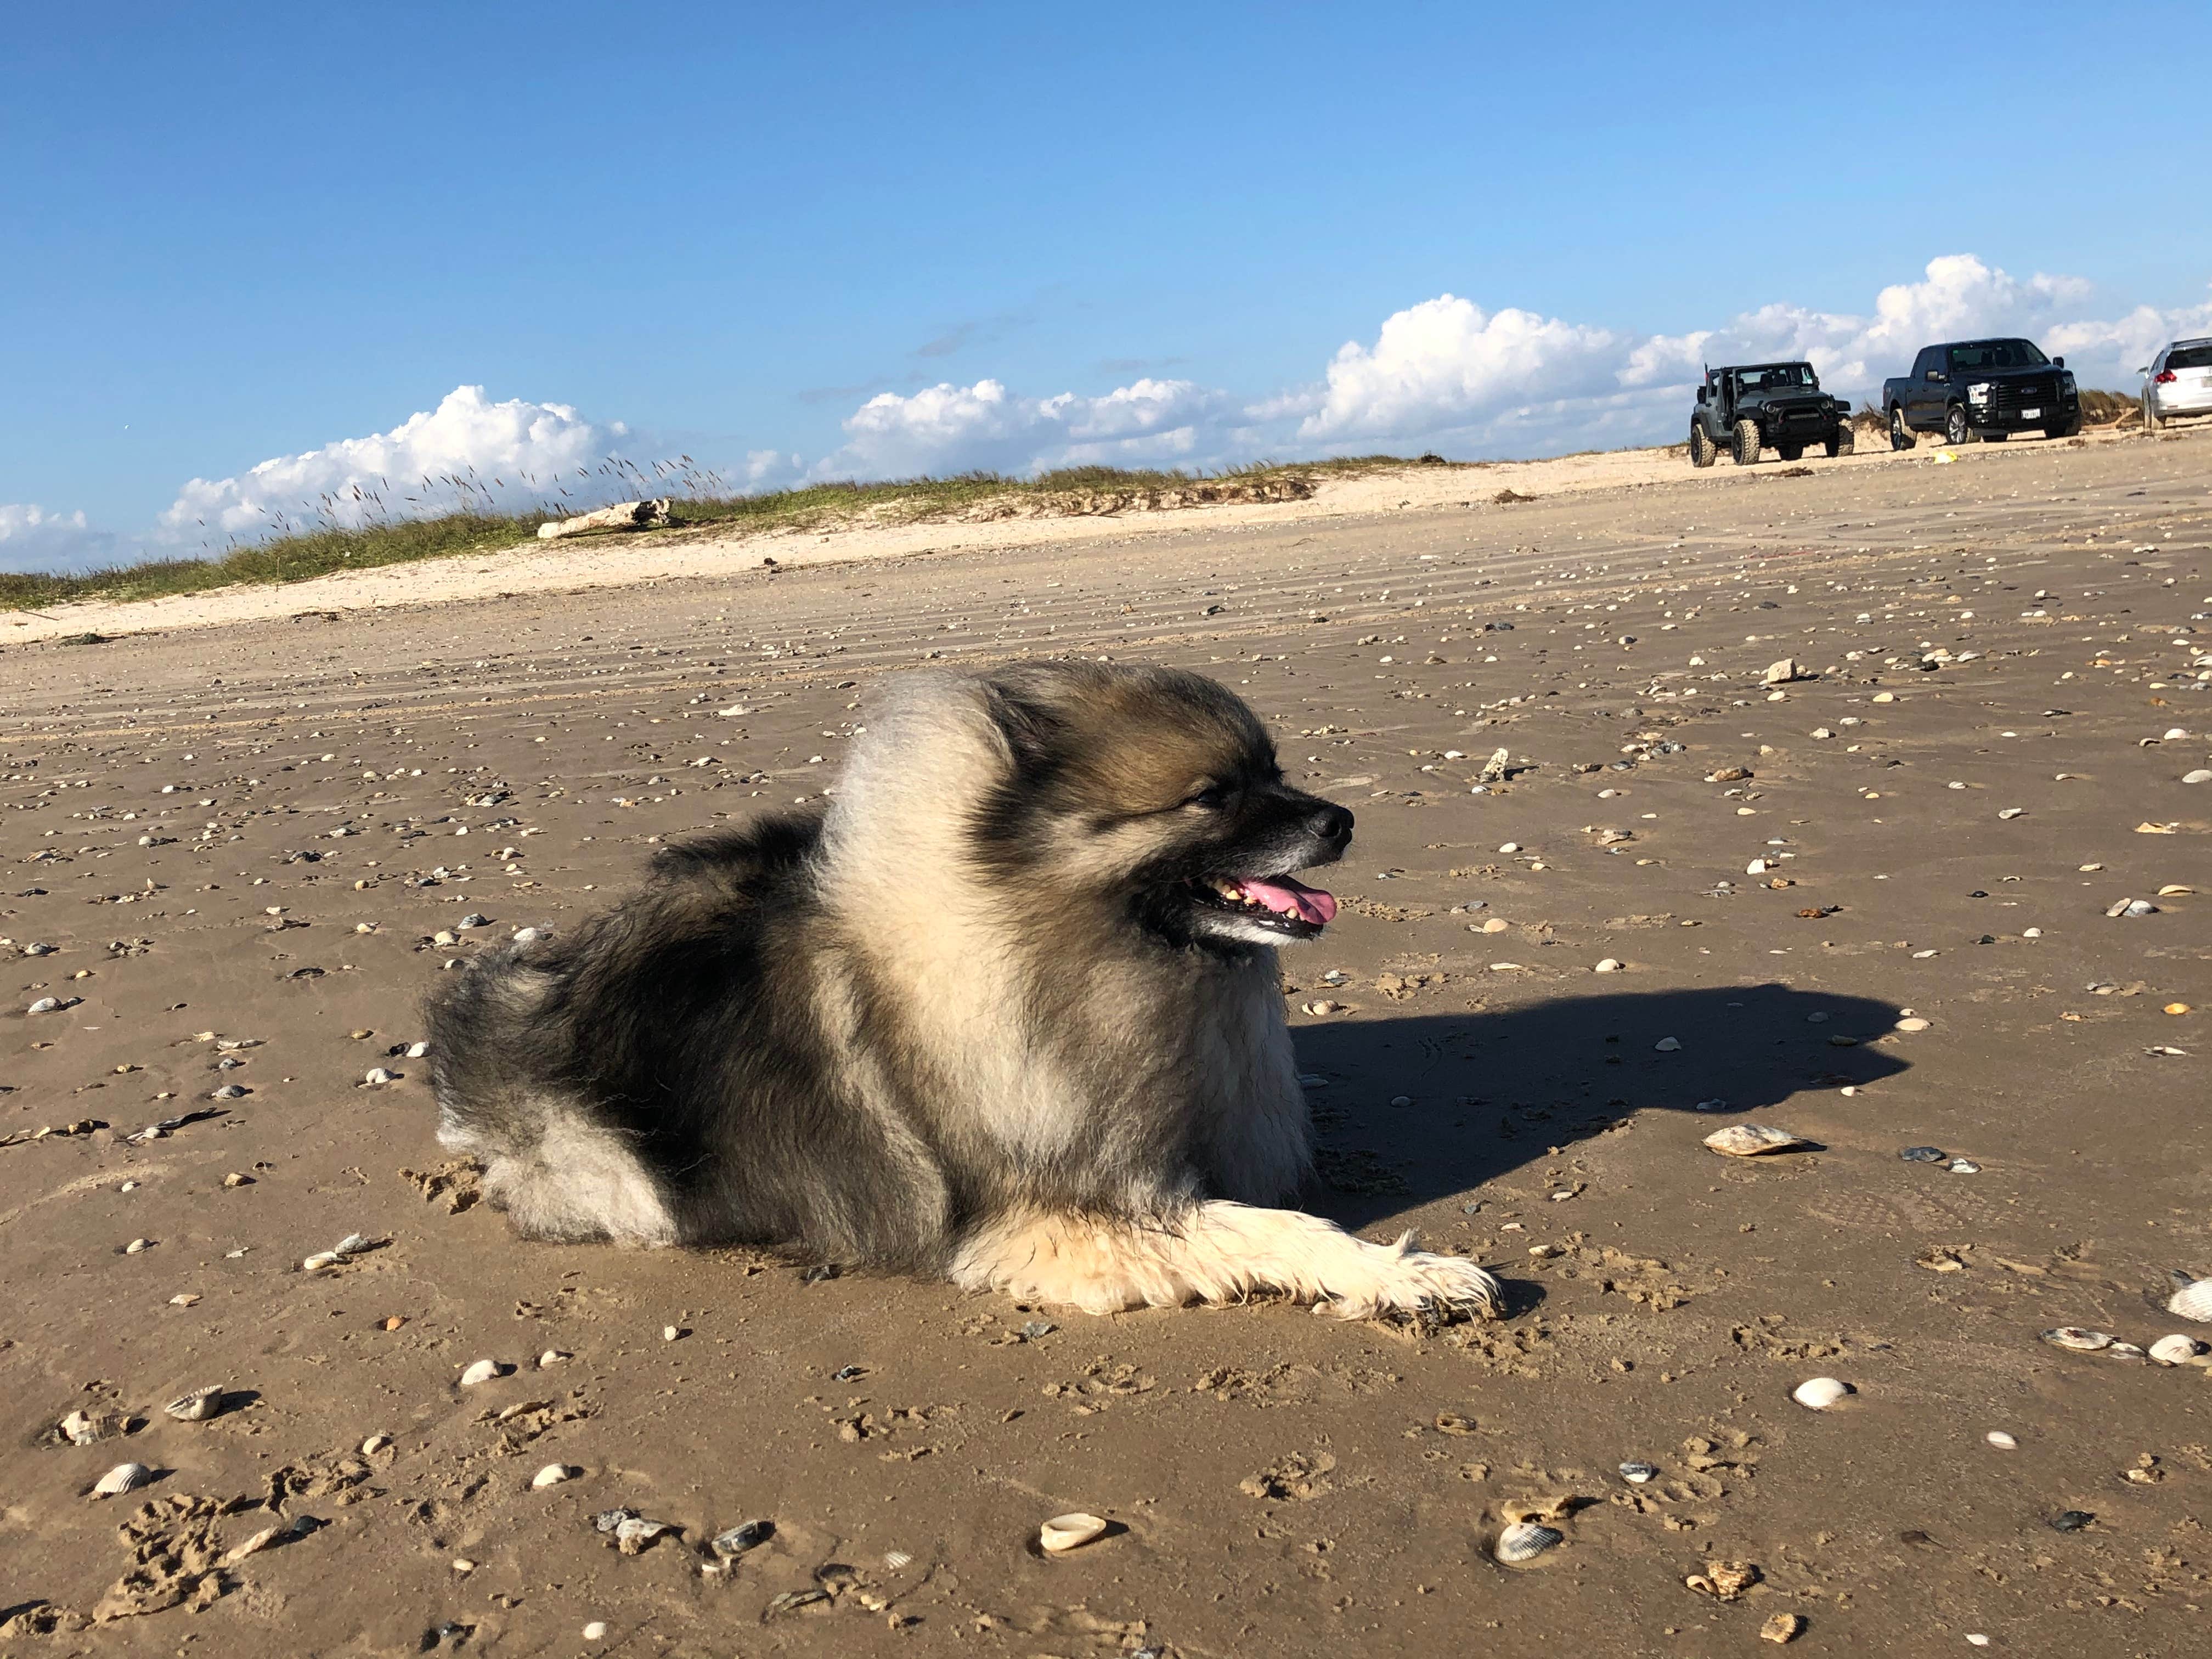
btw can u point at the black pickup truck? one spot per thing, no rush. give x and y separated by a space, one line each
1987 389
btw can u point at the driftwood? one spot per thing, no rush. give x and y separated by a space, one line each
623 515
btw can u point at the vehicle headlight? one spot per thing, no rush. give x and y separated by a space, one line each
2066 380
1980 389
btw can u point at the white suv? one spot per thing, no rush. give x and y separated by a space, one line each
2178 382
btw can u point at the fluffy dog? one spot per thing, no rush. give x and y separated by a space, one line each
1008 1012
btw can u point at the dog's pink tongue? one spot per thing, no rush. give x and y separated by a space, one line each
1288 897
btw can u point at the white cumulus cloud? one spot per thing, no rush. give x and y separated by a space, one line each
468 451
955 429
32 538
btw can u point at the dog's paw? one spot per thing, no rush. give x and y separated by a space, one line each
1399 1278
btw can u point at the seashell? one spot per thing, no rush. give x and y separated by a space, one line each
483 1372
1724 1580
472 919
375 1443
43 1005
1914 1024
351 1244
636 1535
2077 1338
82 1428
1963 1166
1070 1531
1609 965
1524 1541
552 1356
1819 1393
321 1259
138 1247
552 1475
2176 1350
417 1050
596 1630
2002 1441
1923 1155
2125 1351
608 1519
737 1539
1668 1045
2191 1299
123 1477
197 1407
2071 1520
298 1528
1636 1474
1751 1140
378 1074
897 1560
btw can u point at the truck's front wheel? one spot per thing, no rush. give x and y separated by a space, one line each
1746 443
1955 428
2064 428
1900 435
1702 449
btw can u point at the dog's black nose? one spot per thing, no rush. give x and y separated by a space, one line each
1331 823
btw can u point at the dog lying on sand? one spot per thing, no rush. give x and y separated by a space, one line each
1007 1013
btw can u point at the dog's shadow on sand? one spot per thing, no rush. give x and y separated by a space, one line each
1488 1091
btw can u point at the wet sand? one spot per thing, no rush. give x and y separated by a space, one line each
1278 1483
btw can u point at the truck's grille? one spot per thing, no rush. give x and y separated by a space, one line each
2014 395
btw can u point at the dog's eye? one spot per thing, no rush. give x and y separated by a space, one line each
1212 797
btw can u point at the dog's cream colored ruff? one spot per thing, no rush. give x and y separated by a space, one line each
1216 1252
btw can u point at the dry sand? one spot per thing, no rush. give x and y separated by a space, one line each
624 561
1278 1483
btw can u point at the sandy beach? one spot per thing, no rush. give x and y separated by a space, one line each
1870 904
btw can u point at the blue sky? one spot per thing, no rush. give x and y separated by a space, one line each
241 232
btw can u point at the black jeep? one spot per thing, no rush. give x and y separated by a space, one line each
1779 406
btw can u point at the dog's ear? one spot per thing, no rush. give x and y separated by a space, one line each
1031 731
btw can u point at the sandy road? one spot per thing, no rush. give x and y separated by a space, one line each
339 792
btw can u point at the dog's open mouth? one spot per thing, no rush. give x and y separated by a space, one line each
1282 904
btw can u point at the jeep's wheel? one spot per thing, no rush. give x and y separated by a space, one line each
1790 452
1703 450
1900 435
1841 443
2064 428
1746 443
1955 430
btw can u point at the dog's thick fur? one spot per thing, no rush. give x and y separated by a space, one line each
991 1018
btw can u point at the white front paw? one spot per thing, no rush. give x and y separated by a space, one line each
1399 1279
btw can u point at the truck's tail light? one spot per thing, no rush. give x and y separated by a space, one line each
2163 377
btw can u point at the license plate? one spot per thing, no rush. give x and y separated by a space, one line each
2030 414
